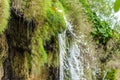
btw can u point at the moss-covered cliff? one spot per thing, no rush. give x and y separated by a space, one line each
4 14
29 48
31 35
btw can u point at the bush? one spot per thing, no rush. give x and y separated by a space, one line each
102 31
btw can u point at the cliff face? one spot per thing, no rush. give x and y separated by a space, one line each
29 48
31 36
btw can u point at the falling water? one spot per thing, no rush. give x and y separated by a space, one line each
71 67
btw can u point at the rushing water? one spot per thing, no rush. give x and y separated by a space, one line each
71 67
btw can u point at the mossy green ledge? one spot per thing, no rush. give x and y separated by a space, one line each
4 14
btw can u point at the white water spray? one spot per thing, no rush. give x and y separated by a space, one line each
71 67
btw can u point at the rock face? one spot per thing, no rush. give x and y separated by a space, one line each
31 37
29 47
3 53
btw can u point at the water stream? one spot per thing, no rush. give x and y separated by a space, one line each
72 61
71 67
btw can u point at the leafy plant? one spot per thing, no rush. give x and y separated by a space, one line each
102 31
117 5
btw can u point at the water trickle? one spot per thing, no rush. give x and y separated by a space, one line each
71 67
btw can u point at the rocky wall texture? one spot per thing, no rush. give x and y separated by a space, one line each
29 48
31 36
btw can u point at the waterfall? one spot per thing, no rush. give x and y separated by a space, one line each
71 67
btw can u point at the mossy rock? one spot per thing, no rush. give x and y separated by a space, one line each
33 24
3 48
4 14
31 9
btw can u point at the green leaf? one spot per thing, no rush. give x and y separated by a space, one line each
106 35
102 30
117 5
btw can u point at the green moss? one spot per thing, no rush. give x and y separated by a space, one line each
116 39
35 9
117 76
31 9
51 24
67 5
52 48
43 13
28 60
38 53
19 65
47 22
4 14
54 23
3 48
111 75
